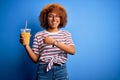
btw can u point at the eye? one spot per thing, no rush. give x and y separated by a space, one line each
50 16
57 16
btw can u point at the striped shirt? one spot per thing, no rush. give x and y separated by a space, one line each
48 53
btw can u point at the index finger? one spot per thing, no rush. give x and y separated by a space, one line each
44 36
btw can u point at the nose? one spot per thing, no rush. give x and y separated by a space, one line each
54 17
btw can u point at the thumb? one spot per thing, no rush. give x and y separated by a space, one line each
44 36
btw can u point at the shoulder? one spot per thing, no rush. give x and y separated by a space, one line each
66 32
40 33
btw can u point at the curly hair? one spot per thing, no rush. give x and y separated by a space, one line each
58 9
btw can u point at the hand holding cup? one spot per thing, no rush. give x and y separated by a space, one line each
25 36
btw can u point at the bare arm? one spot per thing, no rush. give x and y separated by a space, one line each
34 57
67 48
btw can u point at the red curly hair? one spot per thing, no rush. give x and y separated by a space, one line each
58 9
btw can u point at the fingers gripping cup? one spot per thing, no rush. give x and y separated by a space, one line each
25 34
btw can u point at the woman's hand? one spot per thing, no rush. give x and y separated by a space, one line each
25 38
48 40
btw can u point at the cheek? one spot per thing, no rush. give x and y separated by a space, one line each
49 21
59 21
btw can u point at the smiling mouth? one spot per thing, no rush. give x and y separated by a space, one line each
54 23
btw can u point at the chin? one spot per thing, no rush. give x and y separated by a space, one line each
53 27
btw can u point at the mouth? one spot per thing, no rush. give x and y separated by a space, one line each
54 23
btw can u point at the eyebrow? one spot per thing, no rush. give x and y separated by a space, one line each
52 14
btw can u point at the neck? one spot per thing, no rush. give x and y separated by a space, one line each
52 30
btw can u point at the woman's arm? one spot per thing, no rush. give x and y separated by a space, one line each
34 57
67 48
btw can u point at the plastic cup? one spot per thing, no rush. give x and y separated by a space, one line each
25 34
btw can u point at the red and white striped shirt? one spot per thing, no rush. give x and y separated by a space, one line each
49 54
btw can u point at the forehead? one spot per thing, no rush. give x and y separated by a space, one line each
52 13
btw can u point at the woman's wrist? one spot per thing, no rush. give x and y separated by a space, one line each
26 46
55 43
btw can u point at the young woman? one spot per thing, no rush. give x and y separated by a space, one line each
51 46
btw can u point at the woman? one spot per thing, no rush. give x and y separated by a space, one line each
51 46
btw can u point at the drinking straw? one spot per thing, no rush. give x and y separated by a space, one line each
26 24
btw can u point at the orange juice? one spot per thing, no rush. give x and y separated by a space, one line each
26 37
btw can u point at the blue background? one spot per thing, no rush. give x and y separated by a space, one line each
95 28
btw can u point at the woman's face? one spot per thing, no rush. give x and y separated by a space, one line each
53 20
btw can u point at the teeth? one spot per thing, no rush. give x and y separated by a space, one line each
54 22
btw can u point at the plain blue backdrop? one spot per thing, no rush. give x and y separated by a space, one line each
95 28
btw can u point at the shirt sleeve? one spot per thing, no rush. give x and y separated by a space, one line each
69 40
37 44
